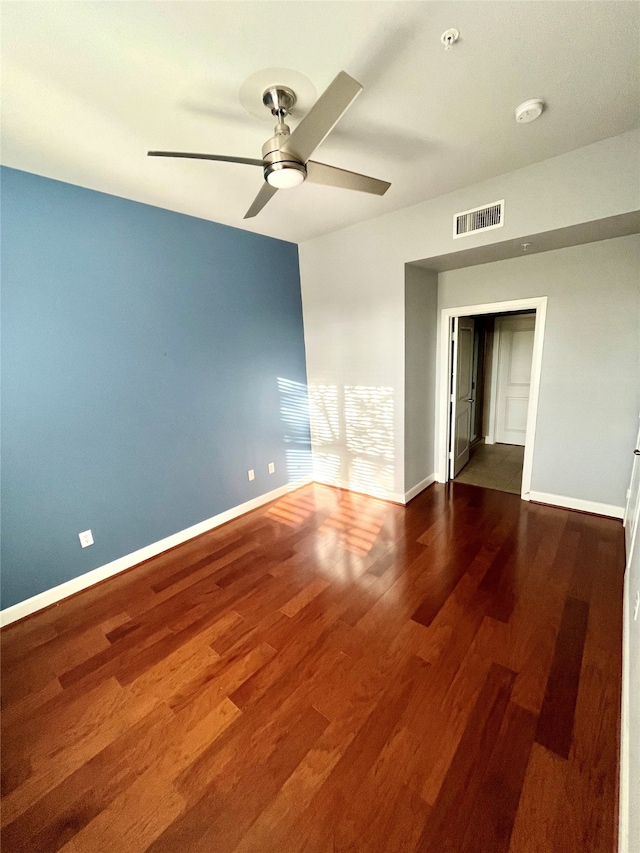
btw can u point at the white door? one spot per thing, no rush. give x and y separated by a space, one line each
632 512
462 385
515 352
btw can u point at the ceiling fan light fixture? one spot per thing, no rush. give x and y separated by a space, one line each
285 175
286 156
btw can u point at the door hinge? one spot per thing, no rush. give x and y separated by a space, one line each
450 455
451 398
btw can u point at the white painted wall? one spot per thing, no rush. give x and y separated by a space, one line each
590 383
421 327
354 338
353 281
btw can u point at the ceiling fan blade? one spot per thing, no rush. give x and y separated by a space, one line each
330 176
248 160
266 193
323 116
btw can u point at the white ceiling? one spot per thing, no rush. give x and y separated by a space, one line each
89 87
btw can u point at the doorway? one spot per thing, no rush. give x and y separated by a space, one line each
492 381
490 360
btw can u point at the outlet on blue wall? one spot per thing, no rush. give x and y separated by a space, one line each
149 360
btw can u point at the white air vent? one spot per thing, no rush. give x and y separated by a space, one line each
479 219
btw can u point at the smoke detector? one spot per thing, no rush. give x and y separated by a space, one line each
529 111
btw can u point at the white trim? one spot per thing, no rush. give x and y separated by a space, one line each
537 304
419 487
610 510
634 522
394 497
452 391
495 378
624 816
64 590
493 388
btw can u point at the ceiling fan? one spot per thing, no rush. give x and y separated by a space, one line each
285 157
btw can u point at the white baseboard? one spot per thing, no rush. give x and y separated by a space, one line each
419 487
382 495
64 590
609 510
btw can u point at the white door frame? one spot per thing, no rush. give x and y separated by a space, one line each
490 437
635 522
537 304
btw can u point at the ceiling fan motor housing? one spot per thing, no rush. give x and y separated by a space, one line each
282 170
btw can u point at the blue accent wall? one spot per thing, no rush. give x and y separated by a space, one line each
149 359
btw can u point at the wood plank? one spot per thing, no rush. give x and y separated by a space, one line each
541 802
589 819
355 763
264 686
452 809
222 816
224 676
491 820
64 811
60 749
132 821
296 604
555 724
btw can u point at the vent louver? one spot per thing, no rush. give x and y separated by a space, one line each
479 219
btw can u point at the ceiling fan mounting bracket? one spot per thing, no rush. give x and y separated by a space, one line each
280 100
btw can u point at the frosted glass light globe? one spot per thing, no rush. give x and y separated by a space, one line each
286 176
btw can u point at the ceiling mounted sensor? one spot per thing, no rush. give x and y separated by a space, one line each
449 37
529 111
285 157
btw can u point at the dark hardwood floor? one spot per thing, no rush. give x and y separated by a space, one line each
329 673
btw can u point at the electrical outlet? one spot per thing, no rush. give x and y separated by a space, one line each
251 474
272 468
86 538
636 606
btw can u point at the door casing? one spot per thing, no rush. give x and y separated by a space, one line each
537 304
631 519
